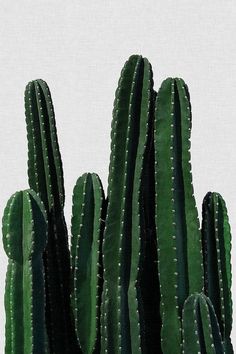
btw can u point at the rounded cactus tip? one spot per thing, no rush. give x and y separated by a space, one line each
36 82
24 226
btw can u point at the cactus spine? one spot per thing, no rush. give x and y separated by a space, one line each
216 239
24 239
46 178
201 332
87 222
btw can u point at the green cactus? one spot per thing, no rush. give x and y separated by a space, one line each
178 235
46 178
123 328
24 239
140 276
87 226
201 332
216 238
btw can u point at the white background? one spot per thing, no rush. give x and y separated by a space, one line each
79 48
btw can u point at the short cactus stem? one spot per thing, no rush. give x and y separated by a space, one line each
201 332
87 224
24 240
216 241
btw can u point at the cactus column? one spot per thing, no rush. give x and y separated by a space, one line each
216 238
123 255
46 178
201 332
87 224
178 235
24 239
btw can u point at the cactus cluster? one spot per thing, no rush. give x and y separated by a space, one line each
139 274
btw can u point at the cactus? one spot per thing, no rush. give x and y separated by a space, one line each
87 223
46 178
201 332
24 239
123 328
216 239
178 234
140 276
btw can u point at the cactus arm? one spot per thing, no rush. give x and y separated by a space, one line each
13 298
46 178
52 133
191 341
45 154
112 246
206 327
36 155
99 225
14 311
225 246
178 234
24 239
76 220
122 254
201 333
216 239
194 249
165 218
33 274
215 338
88 204
149 281
137 253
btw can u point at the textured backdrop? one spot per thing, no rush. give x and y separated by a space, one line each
79 48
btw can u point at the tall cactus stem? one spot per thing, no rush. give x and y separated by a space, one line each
178 234
122 252
46 178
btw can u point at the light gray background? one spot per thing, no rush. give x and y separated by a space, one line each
79 48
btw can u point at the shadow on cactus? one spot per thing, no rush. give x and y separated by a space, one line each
139 275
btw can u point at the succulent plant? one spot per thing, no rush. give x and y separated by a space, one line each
24 239
178 231
201 332
45 176
87 224
216 238
123 310
140 276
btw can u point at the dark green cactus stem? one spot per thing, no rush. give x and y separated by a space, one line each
178 234
24 239
87 226
201 332
46 178
216 240
122 309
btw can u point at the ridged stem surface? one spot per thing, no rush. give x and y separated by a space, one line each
87 222
46 178
201 332
24 239
122 328
216 241
178 234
